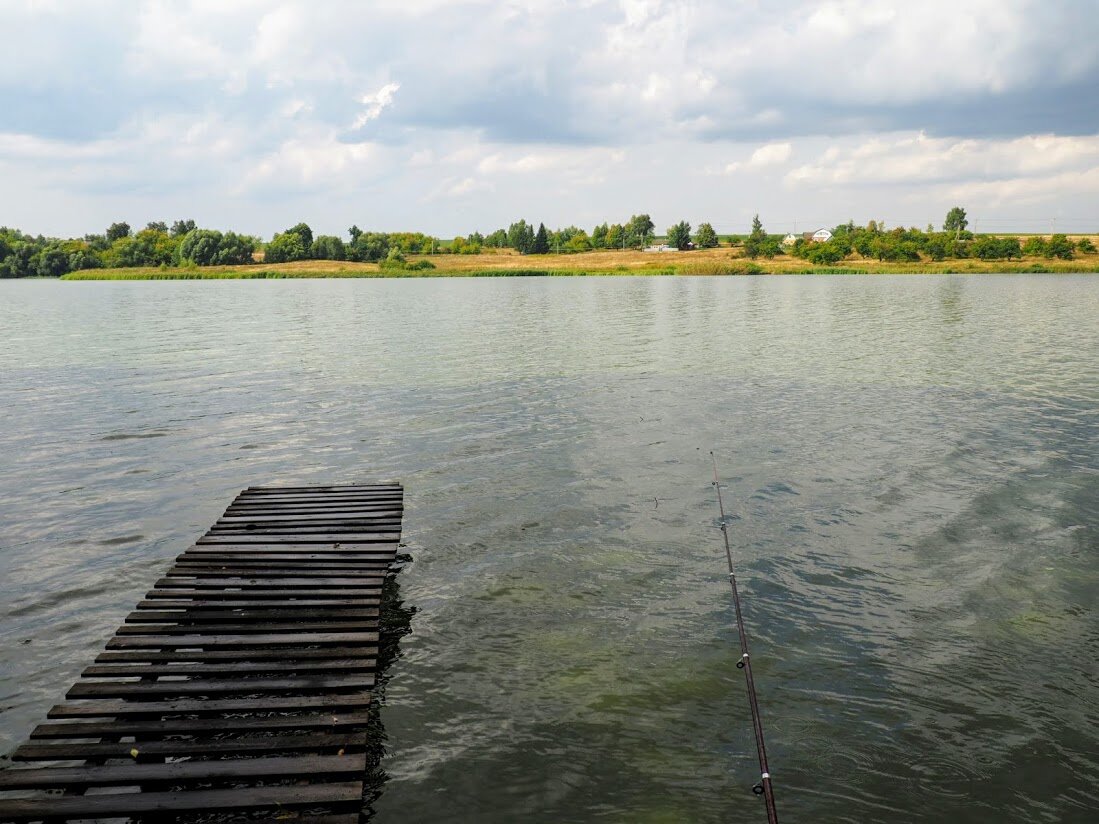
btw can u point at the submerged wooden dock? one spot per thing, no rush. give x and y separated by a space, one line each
241 683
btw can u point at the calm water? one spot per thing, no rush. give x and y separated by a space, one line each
913 464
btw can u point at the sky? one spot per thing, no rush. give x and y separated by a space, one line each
449 117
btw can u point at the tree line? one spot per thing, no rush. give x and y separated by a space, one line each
184 244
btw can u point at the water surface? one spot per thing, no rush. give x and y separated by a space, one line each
912 470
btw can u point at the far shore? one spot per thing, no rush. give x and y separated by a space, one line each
506 263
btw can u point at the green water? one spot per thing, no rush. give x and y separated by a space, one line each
913 474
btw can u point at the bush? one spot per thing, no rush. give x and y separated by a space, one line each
1061 247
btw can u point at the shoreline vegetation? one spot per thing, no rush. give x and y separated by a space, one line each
183 251
701 263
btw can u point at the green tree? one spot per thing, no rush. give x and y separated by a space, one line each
117 230
759 243
579 242
157 226
706 237
303 231
521 237
955 221
328 247
354 232
285 248
679 235
638 230
616 236
52 261
1086 246
541 241
599 236
182 227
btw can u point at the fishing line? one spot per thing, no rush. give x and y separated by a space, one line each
764 787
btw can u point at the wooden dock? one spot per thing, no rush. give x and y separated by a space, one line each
241 684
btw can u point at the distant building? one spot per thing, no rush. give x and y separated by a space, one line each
663 247
790 239
821 236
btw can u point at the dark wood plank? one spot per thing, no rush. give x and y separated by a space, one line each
395 485
367 663
274 654
198 726
255 626
251 745
382 527
253 641
271 569
244 509
330 767
274 615
109 709
308 540
261 594
343 794
245 603
290 520
251 583
307 498
377 551
202 686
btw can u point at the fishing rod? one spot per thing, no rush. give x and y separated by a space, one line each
764 787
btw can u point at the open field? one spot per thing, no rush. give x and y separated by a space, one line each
505 263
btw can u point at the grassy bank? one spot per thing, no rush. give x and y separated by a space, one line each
505 264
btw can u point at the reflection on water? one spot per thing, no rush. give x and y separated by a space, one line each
911 465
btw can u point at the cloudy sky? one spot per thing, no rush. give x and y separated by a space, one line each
449 116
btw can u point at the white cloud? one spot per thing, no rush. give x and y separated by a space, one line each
375 103
921 160
770 154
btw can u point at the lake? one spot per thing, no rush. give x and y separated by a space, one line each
912 470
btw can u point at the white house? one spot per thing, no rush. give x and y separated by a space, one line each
790 239
821 236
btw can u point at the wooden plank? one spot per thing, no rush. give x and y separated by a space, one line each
109 709
367 663
271 569
261 594
245 686
250 583
382 527
277 517
255 625
376 564
397 485
312 509
252 745
198 726
275 654
308 540
346 794
225 616
332 767
377 551
319 492
243 603
225 641
307 498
